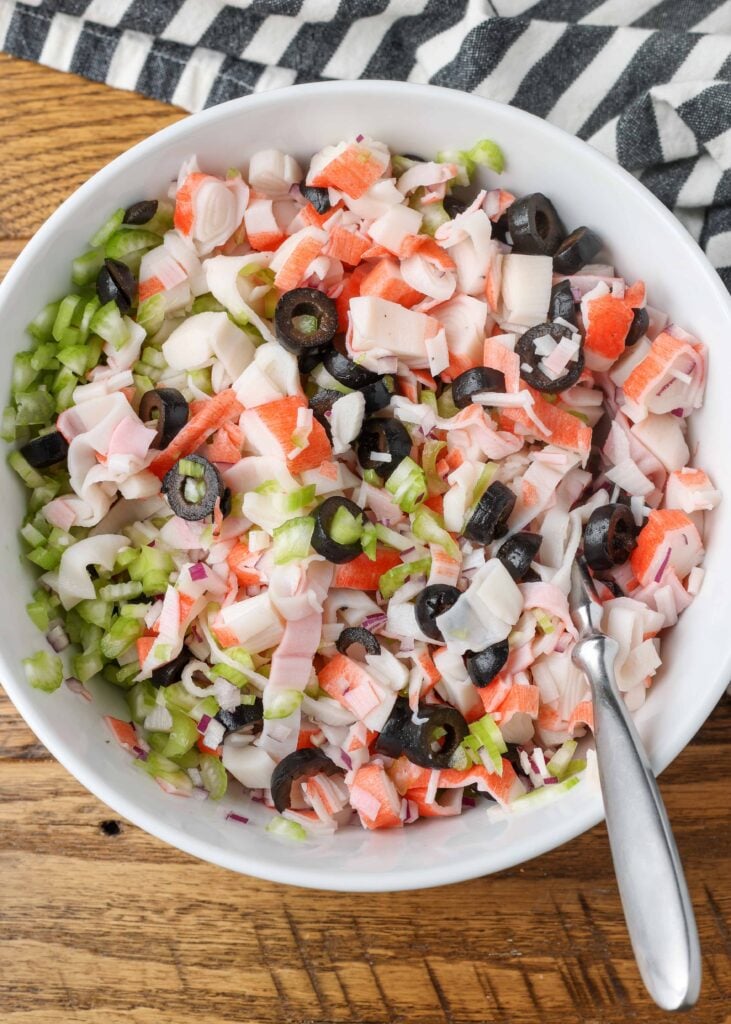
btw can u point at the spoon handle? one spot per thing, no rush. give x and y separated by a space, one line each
652 886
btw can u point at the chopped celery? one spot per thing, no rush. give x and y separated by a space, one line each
484 480
433 214
429 457
42 495
279 826
232 675
283 704
485 152
7 428
306 324
31 535
206 304
545 622
45 558
491 739
346 528
96 612
558 764
190 759
445 404
84 269
326 381
66 310
74 357
295 501
394 540
390 581
64 384
161 767
107 229
43 357
371 477
34 409
141 700
575 767
189 468
427 526
87 665
127 241
153 357
109 324
41 327
94 347
182 736
292 539
44 671
241 655
151 313
544 794
214 775
369 541
400 164
132 611
148 563
407 484
23 372
121 591
39 615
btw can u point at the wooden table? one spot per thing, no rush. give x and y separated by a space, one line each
101 923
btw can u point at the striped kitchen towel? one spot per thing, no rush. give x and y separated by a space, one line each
647 82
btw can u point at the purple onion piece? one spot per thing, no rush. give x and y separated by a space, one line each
232 816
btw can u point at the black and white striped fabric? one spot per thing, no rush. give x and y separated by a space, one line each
648 82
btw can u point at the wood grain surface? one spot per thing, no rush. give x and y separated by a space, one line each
102 924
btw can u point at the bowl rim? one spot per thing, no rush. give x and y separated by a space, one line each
588 810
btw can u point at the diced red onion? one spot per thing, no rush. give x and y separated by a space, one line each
198 571
57 637
139 753
346 760
663 565
374 622
359 138
550 780
677 412
232 816
469 801
76 686
203 724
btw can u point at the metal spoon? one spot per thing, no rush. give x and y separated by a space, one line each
652 886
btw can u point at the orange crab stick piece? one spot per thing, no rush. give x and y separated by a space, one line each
564 430
270 428
609 321
183 218
208 416
446 804
123 732
346 246
502 787
583 714
521 699
353 171
374 796
238 558
384 281
669 540
362 573
499 357
406 775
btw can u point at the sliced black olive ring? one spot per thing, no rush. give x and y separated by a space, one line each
484 665
454 206
378 395
638 327
168 410
46 450
575 251
610 536
490 517
530 369
165 675
240 717
346 372
517 553
535 226
140 213
300 764
357 635
305 320
322 540
474 381
319 197
562 303
192 488
430 741
387 437
115 282
432 602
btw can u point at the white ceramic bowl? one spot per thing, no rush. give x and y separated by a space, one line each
646 242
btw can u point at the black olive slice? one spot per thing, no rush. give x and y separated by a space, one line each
322 541
561 303
430 743
473 382
357 635
526 350
484 665
168 410
431 602
454 206
305 320
387 437
346 372
610 536
140 213
535 226
638 327
378 395
517 553
319 197
240 717
575 251
500 228
165 675
300 764
115 282
599 435
490 517
46 450
321 403
192 487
